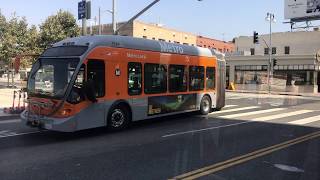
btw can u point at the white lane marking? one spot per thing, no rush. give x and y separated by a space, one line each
306 120
228 106
234 98
205 129
4 131
278 116
10 121
236 109
251 113
20 134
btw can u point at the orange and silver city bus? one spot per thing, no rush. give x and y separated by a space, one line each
94 81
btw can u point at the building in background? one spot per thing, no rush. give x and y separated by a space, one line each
222 46
154 32
160 33
296 69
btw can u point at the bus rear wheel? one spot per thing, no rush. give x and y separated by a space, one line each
205 105
118 118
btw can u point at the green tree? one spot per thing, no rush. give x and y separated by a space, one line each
3 30
17 39
58 27
13 37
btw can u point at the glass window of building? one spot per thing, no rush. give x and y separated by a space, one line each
134 78
155 78
287 50
274 50
178 78
196 78
266 50
252 50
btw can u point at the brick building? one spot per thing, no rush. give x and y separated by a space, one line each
222 46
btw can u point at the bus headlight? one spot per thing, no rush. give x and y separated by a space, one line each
66 112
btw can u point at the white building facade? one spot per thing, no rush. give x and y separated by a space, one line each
296 68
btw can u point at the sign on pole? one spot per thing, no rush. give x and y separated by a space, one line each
82 10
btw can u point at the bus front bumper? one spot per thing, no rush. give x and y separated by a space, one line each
43 122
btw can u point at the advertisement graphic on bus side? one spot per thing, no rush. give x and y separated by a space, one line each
168 104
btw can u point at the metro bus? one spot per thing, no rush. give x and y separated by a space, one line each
94 81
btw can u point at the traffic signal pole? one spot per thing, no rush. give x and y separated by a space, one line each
84 23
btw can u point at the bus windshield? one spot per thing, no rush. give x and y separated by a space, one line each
50 77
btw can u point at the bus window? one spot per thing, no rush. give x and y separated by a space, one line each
177 78
134 78
196 78
155 78
96 73
210 73
77 95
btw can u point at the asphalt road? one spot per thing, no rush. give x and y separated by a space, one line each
254 137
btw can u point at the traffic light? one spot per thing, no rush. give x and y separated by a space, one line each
88 10
274 62
255 37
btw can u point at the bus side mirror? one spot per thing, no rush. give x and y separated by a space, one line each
89 91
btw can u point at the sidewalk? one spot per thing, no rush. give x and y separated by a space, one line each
4 116
6 97
277 93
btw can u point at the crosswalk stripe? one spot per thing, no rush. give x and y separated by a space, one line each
278 116
236 109
306 120
251 113
228 106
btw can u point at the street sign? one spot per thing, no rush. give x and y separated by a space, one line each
82 10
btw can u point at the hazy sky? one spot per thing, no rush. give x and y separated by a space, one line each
217 19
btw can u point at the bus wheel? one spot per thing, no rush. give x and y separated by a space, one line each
205 105
118 118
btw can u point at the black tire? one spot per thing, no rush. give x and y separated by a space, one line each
205 105
118 118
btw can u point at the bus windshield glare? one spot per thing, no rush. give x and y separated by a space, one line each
50 77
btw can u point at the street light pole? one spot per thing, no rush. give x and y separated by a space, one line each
113 13
114 24
99 21
270 17
136 16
